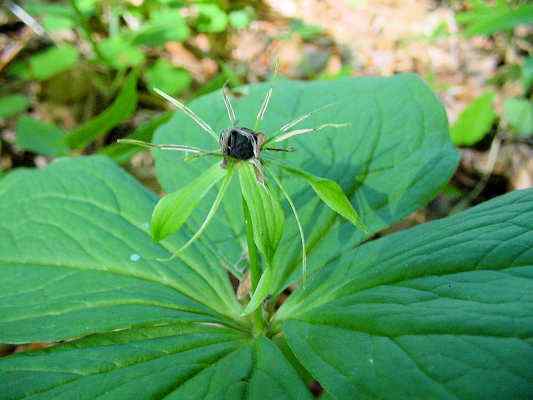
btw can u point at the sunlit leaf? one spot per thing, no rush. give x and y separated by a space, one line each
518 113
163 26
120 53
170 79
475 121
211 18
53 61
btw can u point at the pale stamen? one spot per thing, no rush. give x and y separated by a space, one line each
298 132
263 109
187 111
229 108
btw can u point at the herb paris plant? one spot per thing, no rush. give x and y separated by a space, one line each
443 310
239 146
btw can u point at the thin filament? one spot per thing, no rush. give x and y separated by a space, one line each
187 111
263 109
302 238
212 211
298 132
173 147
229 107
301 118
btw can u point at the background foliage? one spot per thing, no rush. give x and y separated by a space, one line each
77 75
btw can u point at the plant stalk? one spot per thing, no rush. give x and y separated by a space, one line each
254 267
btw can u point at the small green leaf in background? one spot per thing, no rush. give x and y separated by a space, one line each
304 30
19 69
211 18
518 113
163 26
54 16
265 211
172 211
170 79
40 137
12 105
87 7
475 121
120 53
122 108
527 73
486 20
239 19
53 61
451 192
53 23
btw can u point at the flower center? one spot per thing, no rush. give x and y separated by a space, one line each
240 143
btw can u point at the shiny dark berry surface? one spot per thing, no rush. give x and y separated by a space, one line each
240 146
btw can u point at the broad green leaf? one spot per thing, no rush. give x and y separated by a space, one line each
170 79
393 158
175 208
330 193
443 310
475 121
53 61
40 137
122 108
120 53
136 363
76 257
518 113
265 211
122 152
163 26
211 18
12 105
175 361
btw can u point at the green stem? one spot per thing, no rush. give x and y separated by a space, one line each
86 29
255 268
